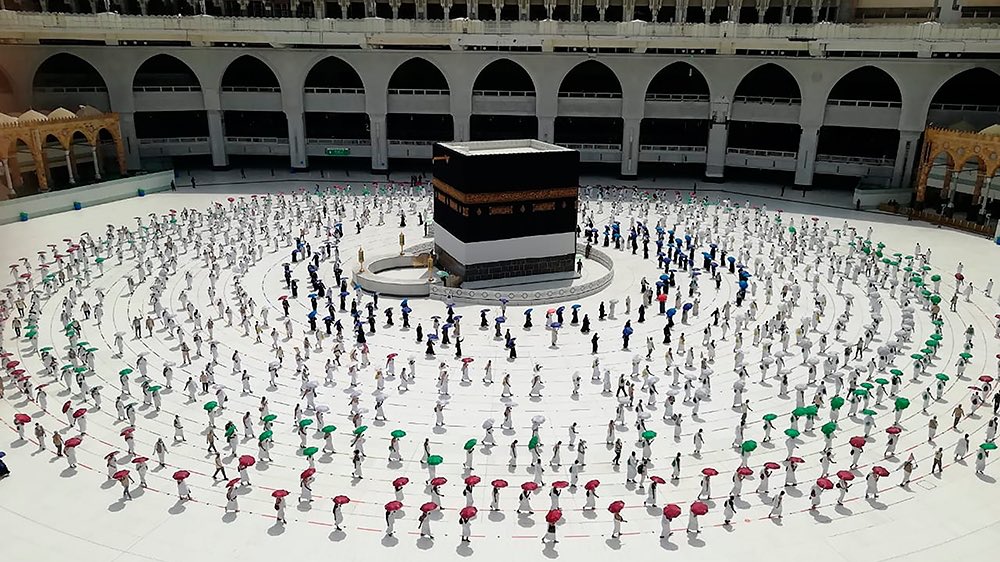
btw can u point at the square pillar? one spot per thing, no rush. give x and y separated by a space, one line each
126 121
297 139
460 124
906 153
217 139
379 142
546 128
805 161
630 148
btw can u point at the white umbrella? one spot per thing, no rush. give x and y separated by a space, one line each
323 408
800 386
538 419
644 415
488 423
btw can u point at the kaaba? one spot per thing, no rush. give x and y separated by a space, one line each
505 211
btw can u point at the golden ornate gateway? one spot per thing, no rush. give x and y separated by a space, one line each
960 147
34 128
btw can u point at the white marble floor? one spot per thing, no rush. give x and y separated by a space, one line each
49 511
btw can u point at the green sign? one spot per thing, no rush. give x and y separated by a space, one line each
338 152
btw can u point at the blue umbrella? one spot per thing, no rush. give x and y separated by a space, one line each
560 309
688 306
627 331
555 325
671 311
659 283
575 306
664 277
731 259
510 342
312 295
504 300
328 318
312 314
457 317
527 312
447 325
743 284
407 310
481 310
432 337
713 246
404 302
344 293
500 319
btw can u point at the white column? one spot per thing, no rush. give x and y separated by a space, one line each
97 165
126 120
805 161
718 138
460 123
630 148
217 139
380 142
69 168
546 128
297 139
906 154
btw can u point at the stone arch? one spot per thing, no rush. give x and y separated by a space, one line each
268 79
162 58
346 75
590 70
769 80
482 81
59 62
424 75
697 82
868 80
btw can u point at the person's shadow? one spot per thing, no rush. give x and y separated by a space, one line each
464 549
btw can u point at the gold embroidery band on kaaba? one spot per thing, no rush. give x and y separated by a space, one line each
506 196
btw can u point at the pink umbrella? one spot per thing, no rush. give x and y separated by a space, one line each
824 483
279 493
671 511
473 480
22 418
529 486
429 506
699 508
592 485
772 465
893 430
73 442
744 471
857 442
468 512
120 474
881 471
616 506
439 481
498 483
181 474
560 484
553 516
394 505
400 482
79 413
845 475
709 471
140 460
341 500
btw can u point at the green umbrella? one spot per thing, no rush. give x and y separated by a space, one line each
988 446
896 372
799 412
836 402
305 423
155 388
80 369
266 435
902 403
770 417
533 442
749 446
812 410
867 385
937 337
941 377
270 417
82 343
231 431
860 392
329 429
125 371
70 333
209 406
938 322
45 349
648 434
398 433
916 356
927 351
882 381
91 349
869 412
434 460
792 432
360 429
965 355
470 444
936 299
310 451
828 428
100 260
66 367
925 267
932 343
791 229
935 278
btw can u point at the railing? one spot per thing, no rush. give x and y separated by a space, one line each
865 103
591 95
677 97
417 92
504 93
173 140
258 140
670 148
768 100
965 107
935 218
862 160
761 152
315 90
591 146
340 142
413 142
253 89
70 89
148 89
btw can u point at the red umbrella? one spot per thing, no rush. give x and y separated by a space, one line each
439 481
881 471
473 480
795 460
79 413
498 483
394 505
341 500
232 482
893 430
400 482
772 465
429 506
279 493
467 360
120 474
744 471
307 473
550 311
845 475
22 418
529 486
73 442
181 474
553 515
824 483
699 508
126 431
709 471
959 276
986 378
658 479
66 406
391 355
140 460
592 485
857 442
247 460
616 506
671 511
662 297
560 484
12 364
468 512
283 298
